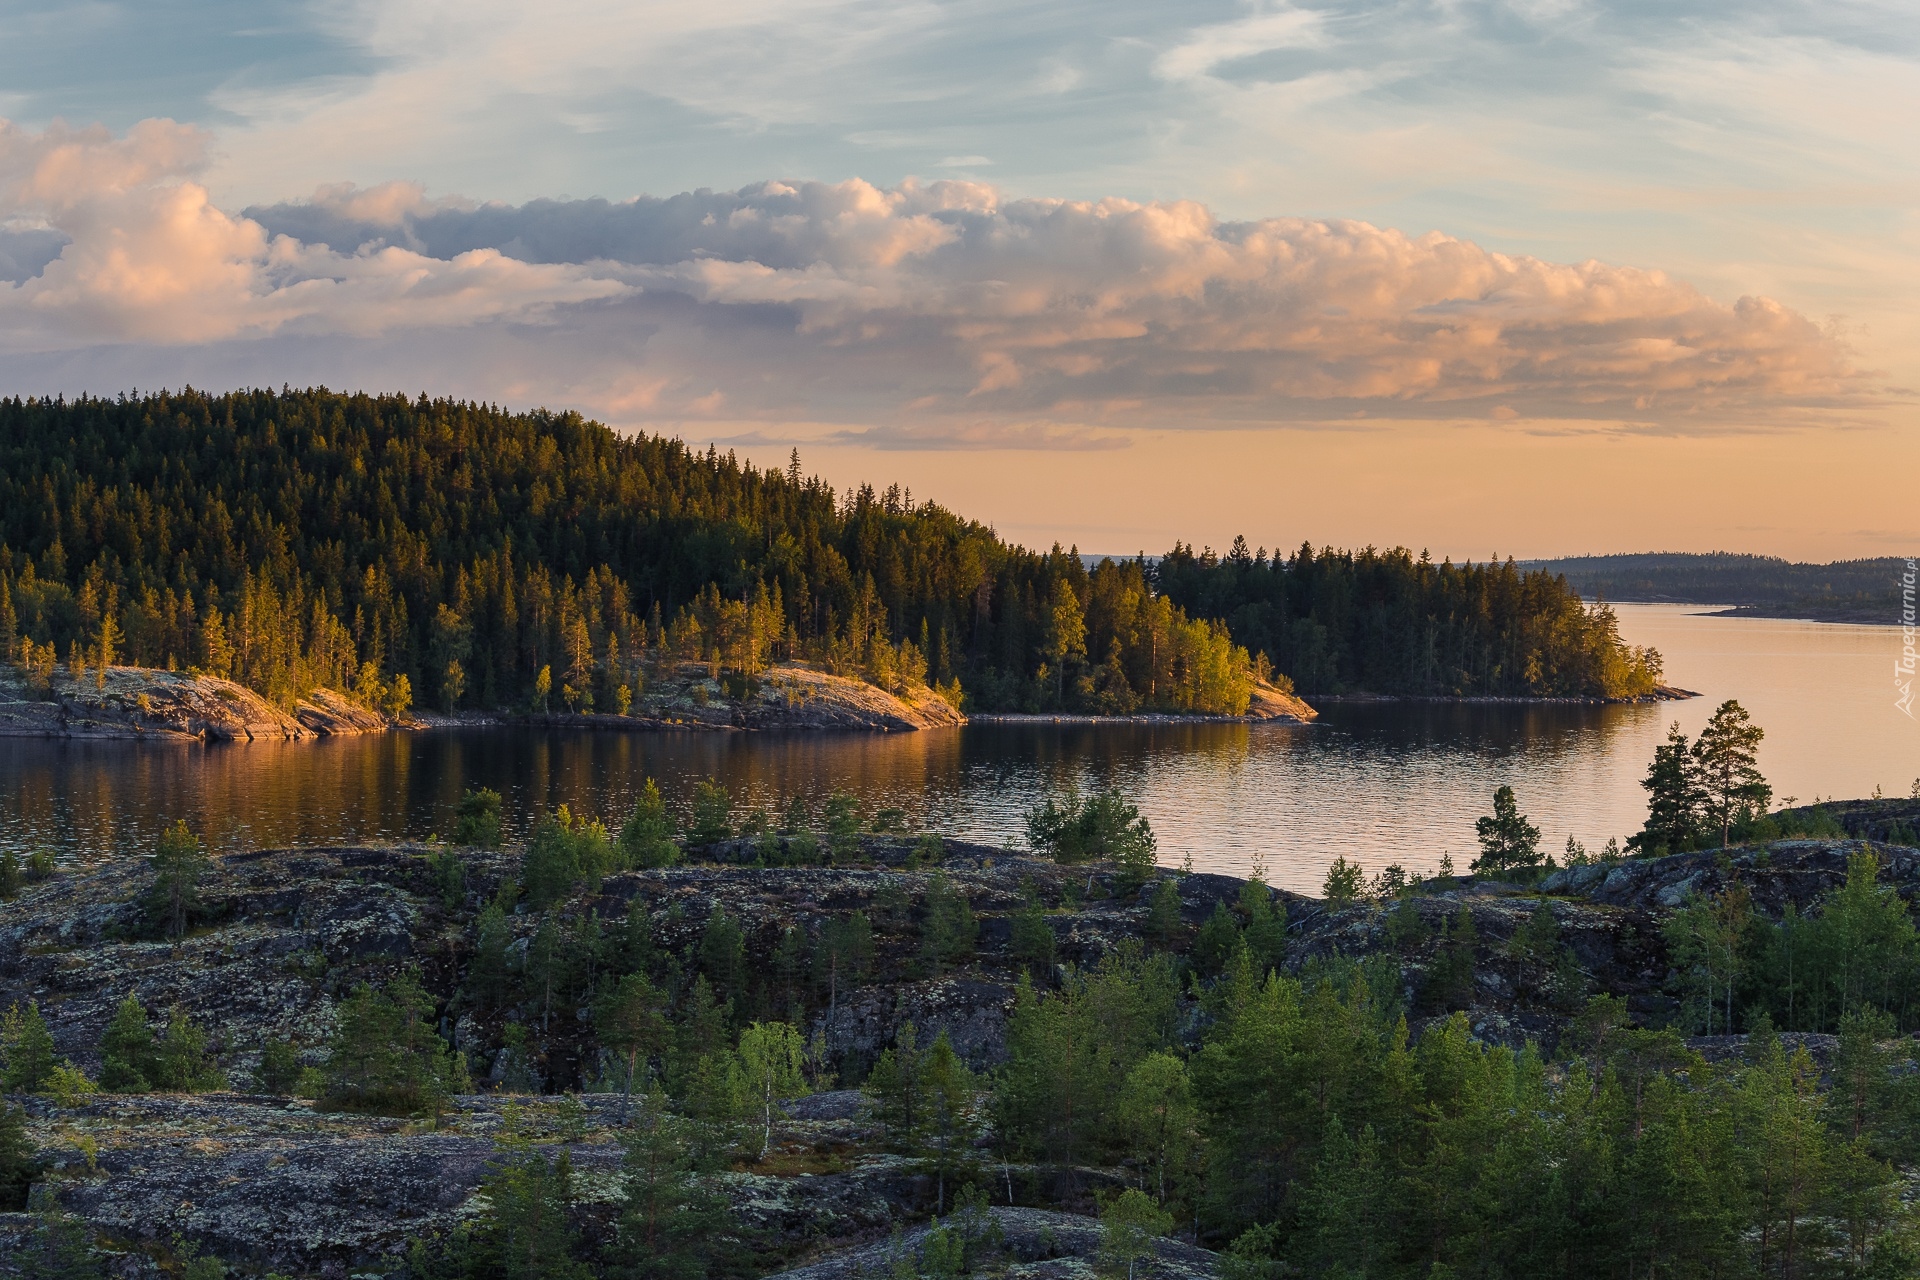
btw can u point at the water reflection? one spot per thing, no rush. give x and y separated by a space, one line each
1374 782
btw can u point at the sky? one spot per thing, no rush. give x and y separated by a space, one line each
1537 277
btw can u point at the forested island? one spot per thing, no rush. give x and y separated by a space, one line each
455 556
1759 586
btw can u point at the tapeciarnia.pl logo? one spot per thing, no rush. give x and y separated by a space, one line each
1903 665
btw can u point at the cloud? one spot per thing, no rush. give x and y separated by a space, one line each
925 315
144 256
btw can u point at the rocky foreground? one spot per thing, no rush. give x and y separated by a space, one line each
273 1183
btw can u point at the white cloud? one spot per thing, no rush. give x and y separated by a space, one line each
941 314
149 259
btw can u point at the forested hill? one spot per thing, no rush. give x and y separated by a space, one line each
1387 622
466 556
1845 590
310 538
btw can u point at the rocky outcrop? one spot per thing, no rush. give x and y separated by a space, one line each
1030 1244
144 704
285 934
1267 703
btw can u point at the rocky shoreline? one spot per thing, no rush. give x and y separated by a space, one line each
281 1185
139 704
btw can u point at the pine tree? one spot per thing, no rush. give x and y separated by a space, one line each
723 955
1726 769
1164 924
1674 801
672 1223
950 1124
712 815
527 1229
179 864
630 1020
1508 842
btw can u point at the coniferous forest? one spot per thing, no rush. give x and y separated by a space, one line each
478 558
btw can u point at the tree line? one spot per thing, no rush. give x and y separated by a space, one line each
497 559
1391 622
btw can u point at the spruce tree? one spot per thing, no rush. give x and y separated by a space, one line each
126 1050
646 838
17 1165
950 929
27 1060
630 1020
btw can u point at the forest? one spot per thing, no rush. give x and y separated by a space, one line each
463 556
1388 622
1314 1115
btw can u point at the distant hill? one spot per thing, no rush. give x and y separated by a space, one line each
1763 586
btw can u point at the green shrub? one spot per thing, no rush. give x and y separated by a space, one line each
1103 828
477 819
279 1070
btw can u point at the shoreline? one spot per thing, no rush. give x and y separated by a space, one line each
1663 693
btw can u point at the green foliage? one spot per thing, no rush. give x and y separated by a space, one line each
1218 940
1449 980
61 1247
1031 940
712 815
771 1055
844 953
1714 784
1726 768
179 864
1859 950
950 929
1393 622
18 1168
723 955
630 1020
448 872
385 1056
1129 1224
133 1060
646 838
1069 1054
1509 844
279 1071
843 826
27 1063
1343 883
1164 924
563 853
1265 930
1156 1116
126 1049
11 877
673 1221
1104 827
476 820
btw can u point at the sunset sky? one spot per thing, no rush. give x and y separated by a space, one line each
1525 278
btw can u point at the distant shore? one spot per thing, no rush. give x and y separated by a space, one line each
1662 693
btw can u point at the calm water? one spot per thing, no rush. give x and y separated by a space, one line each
1382 783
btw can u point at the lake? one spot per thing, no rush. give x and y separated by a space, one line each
1378 783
